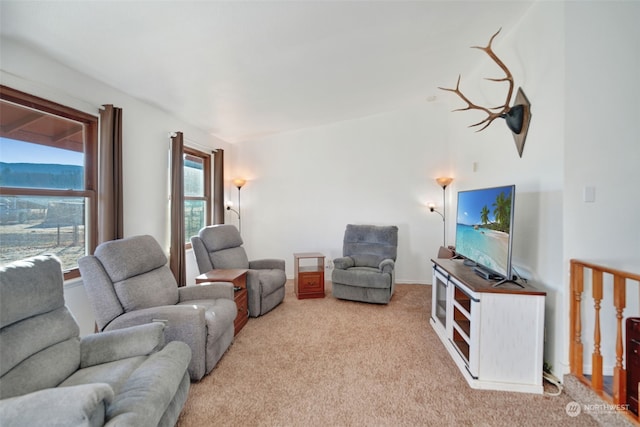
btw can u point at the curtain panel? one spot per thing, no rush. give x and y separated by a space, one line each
176 252
218 186
110 210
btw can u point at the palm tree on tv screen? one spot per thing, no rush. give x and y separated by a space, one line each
502 212
484 215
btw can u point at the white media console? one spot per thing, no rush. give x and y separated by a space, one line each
495 335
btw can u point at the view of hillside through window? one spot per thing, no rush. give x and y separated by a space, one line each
37 224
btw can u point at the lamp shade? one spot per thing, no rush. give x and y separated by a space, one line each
444 181
239 182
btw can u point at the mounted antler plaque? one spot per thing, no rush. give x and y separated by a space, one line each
517 117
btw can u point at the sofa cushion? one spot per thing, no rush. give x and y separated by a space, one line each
30 287
43 331
229 258
153 289
371 239
130 257
367 260
365 277
113 373
44 369
225 237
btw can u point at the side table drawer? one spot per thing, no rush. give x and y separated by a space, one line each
310 282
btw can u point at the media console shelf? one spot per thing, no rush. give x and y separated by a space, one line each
495 335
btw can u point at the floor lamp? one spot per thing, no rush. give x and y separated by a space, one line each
443 182
239 183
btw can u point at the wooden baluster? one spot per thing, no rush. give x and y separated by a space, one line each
596 357
619 374
577 285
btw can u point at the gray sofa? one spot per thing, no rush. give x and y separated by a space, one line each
50 376
129 283
366 271
220 246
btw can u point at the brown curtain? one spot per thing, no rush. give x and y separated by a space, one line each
110 216
218 187
177 256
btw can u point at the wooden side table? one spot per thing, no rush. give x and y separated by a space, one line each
239 279
309 279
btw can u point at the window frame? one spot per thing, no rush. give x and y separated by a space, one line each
207 198
90 163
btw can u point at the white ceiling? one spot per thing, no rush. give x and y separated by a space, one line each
239 69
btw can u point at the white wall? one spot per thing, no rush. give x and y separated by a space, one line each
602 151
577 63
305 186
145 144
535 57
602 148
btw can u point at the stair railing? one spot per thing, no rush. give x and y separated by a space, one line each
620 279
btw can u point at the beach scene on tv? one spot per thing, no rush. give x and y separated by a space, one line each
483 225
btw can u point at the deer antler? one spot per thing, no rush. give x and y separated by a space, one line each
503 109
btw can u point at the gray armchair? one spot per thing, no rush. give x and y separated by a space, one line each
366 272
51 376
220 247
128 283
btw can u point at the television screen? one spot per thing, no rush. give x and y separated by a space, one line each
484 228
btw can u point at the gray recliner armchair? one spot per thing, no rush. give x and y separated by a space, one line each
220 247
49 375
128 283
366 271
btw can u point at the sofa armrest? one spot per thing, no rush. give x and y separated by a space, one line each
120 344
267 264
387 265
343 263
80 405
184 322
152 387
212 290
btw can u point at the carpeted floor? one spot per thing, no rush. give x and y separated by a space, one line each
328 362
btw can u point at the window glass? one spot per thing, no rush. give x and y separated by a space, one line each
45 187
197 192
30 165
193 176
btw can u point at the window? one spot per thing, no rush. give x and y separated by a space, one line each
197 192
48 154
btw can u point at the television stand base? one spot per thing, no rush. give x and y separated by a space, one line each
485 274
503 281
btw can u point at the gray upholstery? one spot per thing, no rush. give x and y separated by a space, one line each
51 376
220 247
129 283
366 271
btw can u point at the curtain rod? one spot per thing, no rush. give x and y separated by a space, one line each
191 143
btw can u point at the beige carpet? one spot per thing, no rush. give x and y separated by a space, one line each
327 362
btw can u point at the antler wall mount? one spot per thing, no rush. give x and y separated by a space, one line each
517 116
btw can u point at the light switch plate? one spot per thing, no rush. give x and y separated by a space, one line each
589 194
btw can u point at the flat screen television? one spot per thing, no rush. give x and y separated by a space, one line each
484 230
